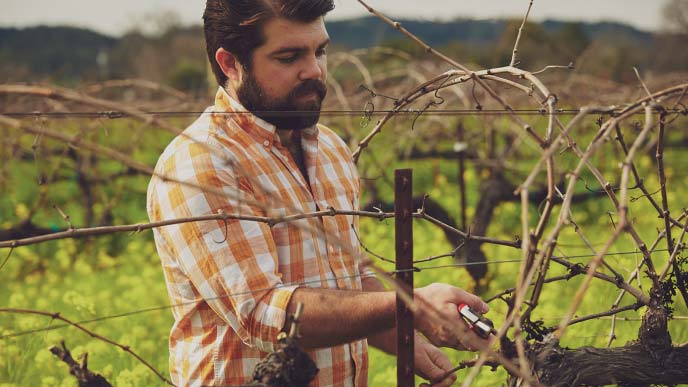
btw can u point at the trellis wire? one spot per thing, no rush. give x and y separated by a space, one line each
112 115
303 283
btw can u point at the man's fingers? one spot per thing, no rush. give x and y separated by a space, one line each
443 365
472 342
433 365
460 337
446 382
446 299
439 294
472 300
441 361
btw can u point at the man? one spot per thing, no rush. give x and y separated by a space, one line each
233 283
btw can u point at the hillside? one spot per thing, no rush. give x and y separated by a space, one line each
369 31
61 52
72 56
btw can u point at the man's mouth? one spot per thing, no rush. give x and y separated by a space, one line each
308 95
310 89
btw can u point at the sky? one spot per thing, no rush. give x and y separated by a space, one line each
116 17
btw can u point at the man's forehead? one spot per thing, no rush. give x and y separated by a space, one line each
282 33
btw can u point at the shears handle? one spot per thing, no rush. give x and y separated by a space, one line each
480 324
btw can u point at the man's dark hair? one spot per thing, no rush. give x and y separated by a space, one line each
236 25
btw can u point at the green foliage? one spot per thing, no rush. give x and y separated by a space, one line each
117 274
188 76
83 288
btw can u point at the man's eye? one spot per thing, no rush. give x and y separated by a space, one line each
321 52
287 59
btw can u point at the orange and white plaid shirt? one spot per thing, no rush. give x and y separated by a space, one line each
230 284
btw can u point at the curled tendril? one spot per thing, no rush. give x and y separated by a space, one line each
599 121
368 111
678 110
419 113
636 198
541 206
226 230
613 189
369 108
7 258
611 218
478 106
421 210
374 94
682 108
439 100
437 90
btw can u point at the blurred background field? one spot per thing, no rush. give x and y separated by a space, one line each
89 278
118 278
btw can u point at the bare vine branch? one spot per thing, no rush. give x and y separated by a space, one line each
125 348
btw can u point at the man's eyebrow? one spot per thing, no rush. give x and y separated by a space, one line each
324 44
298 49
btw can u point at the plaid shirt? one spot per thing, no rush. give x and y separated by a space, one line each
230 283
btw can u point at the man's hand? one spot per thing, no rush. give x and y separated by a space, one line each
431 364
445 299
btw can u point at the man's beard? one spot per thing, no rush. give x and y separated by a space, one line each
284 112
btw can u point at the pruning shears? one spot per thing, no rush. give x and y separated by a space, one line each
480 324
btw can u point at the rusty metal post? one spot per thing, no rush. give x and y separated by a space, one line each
403 220
460 149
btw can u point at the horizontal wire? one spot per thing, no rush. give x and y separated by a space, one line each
168 306
615 253
618 318
464 264
363 113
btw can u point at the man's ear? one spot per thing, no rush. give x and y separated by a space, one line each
230 65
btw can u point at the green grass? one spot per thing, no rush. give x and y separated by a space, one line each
83 290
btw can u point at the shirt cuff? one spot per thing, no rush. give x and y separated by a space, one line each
271 315
366 272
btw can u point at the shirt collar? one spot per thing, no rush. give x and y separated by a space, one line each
255 126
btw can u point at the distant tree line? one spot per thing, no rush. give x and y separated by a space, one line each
175 55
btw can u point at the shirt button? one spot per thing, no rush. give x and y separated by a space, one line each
266 143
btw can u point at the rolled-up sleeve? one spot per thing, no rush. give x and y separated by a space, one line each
232 264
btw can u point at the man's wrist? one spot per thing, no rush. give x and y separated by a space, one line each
386 302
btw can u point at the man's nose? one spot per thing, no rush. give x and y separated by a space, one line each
312 69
